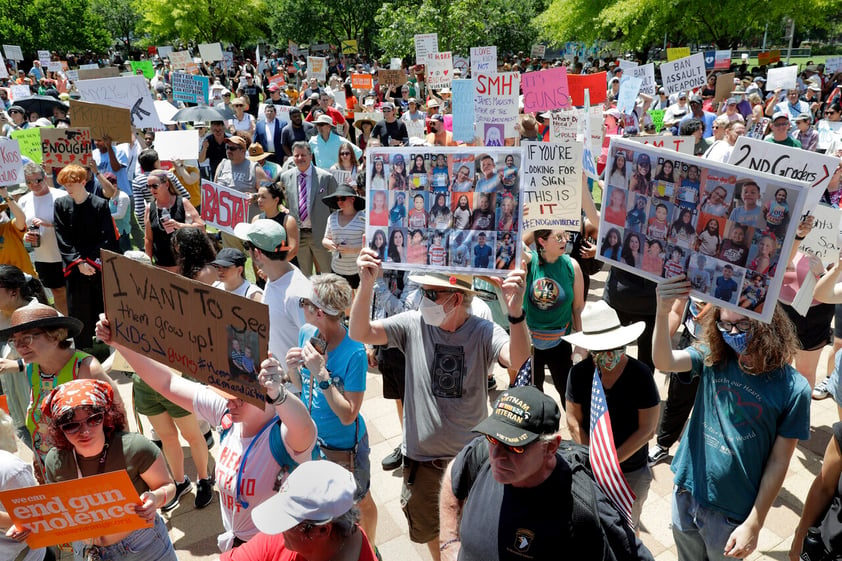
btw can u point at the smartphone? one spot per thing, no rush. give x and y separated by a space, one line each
319 344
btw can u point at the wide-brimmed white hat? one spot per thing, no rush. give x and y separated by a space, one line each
601 329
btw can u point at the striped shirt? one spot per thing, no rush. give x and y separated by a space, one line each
350 235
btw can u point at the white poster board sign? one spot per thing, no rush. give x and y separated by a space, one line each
425 43
683 74
177 145
784 78
126 91
552 185
823 239
210 52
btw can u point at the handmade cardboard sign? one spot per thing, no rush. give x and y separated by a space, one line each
207 333
30 143
823 239
496 100
179 60
388 77
483 59
724 86
102 120
552 185
94 73
61 147
545 90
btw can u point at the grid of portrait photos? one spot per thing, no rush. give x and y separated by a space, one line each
728 229
444 209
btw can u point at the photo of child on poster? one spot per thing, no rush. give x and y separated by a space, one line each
445 209
725 228
243 362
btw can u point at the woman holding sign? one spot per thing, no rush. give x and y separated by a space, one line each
88 432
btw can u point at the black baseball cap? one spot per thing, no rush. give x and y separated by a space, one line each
228 257
520 416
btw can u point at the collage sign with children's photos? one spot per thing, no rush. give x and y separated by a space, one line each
729 230
444 209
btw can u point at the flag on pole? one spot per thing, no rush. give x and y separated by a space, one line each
603 453
524 375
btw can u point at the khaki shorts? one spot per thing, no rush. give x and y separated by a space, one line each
420 497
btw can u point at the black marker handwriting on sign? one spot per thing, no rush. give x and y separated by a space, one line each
781 166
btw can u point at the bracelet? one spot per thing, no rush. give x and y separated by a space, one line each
21 365
799 238
282 397
515 320
449 542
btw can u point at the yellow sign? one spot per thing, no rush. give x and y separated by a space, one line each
675 53
349 46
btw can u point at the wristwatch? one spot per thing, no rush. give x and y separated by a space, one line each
325 384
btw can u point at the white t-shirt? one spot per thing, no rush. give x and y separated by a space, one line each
16 474
285 317
246 289
259 472
42 207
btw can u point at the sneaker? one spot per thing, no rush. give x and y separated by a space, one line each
180 489
209 439
204 492
492 383
657 453
821 391
393 460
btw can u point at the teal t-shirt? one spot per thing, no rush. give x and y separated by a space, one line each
549 294
736 419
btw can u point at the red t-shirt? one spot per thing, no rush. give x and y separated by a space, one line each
264 547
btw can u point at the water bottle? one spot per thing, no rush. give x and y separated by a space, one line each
35 231
165 214
813 548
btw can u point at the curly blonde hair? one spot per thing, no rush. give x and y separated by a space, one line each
772 345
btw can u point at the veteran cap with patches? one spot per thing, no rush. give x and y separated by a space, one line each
520 416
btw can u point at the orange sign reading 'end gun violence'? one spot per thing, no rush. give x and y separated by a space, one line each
75 510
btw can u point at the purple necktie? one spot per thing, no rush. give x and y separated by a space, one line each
302 197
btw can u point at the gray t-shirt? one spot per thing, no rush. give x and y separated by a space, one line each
446 381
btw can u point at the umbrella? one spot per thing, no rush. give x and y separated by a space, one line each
41 104
198 113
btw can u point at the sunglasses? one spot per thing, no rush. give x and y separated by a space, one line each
510 449
23 340
433 295
726 326
830 112
344 153
233 148
36 181
153 185
305 302
75 426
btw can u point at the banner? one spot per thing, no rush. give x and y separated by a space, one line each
317 67
828 132
388 77
185 324
463 110
627 96
722 60
483 60
552 185
179 60
102 120
128 92
724 86
496 101
13 52
785 78
210 52
11 163
729 230
545 90
425 43
177 145
823 239
683 74
75 510
444 209
768 57
439 68
675 53
62 147
223 207
190 88
29 141
812 168
578 83
145 67
682 144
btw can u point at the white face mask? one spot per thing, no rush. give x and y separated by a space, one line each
432 313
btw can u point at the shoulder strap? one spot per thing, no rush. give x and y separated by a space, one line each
586 525
281 455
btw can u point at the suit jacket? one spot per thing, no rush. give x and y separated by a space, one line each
260 136
322 183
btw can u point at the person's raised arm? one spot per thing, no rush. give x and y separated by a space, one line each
18 216
519 347
663 356
450 512
360 326
827 290
301 430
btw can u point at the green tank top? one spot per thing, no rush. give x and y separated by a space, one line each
549 294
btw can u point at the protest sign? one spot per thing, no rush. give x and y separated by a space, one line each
342 176
538 51
127 92
11 163
89 66
185 324
278 80
545 90
710 60
592 129
832 64
823 239
180 59
102 120
389 77
627 97
729 230
425 43
145 67
349 46
395 63
815 169
95 73
496 100
758 129
460 64
29 141
646 73
657 118
20 92
722 60
210 52
577 83
317 67
13 52
768 57
552 185
75 510
828 132
682 144
375 116
190 88
442 209
72 75
439 67
292 47
228 60
177 145
44 58
55 66
164 51
785 78
4 72
683 74
724 86
463 110
675 53
364 81
61 147
223 207
564 126
483 60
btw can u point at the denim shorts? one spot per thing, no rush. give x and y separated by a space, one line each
146 544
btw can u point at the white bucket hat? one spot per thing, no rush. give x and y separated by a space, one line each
601 329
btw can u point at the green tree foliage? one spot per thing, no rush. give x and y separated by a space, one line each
55 25
120 17
205 21
305 21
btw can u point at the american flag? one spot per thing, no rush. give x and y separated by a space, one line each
603 453
524 375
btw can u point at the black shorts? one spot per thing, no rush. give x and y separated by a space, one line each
392 365
837 324
353 280
50 274
813 330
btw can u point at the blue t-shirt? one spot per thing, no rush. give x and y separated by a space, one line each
103 164
725 288
736 419
396 215
347 365
482 255
753 217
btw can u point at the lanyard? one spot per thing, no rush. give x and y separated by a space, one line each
242 467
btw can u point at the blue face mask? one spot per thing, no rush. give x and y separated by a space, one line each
738 341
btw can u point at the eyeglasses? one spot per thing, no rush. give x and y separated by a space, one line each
231 148
726 326
23 340
433 295
35 181
75 426
510 449
560 238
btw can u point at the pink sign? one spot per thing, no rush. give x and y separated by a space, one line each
545 90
